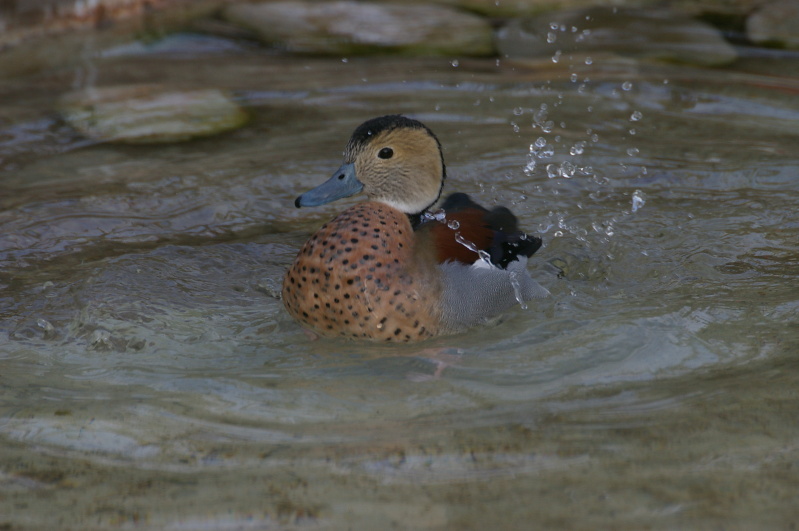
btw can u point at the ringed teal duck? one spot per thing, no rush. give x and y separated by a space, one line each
386 269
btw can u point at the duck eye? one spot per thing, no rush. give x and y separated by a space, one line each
386 153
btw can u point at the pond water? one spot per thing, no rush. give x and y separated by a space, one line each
149 377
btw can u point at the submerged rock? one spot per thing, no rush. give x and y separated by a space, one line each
775 24
141 114
351 27
643 34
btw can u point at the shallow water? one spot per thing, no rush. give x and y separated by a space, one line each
148 376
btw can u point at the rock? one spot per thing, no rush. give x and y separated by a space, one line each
142 114
351 27
516 8
176 44
642 34
775 24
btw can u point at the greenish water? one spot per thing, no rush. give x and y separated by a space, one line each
149 379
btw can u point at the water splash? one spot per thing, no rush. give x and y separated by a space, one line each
483 255
540 119
517 289
466 243
638 200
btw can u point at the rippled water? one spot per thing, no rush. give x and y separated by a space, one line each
149 377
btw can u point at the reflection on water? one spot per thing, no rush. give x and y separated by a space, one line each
149 376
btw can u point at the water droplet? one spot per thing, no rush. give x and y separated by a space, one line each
638 200
100 339
632 131
627 85
454 225
518 111
635 116
589 61
539 142
632 151
553 171
546 152
574 77
556 57
553 25
577 149
455 63
551 37
47 328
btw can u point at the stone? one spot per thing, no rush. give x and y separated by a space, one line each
352 27
146 114
516 8
641 34
775 24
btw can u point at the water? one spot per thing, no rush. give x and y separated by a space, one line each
149 377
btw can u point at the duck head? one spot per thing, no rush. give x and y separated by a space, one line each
393 160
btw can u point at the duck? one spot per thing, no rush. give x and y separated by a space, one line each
393 269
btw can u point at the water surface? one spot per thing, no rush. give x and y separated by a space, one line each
150 378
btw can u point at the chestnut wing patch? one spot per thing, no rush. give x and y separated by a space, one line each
495 231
